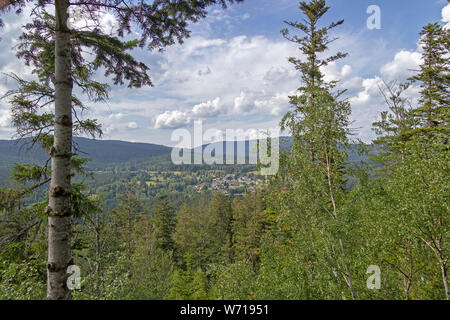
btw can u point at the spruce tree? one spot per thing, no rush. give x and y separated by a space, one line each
434 80
164 222
302 119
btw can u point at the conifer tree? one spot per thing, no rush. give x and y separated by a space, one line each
417 139
220 229
319 125
427 150
434 80
163 224
248 227
313 45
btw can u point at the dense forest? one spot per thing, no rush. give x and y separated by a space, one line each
319 229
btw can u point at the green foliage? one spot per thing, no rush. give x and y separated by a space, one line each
203 232
308 234
248 226
163 224
22 281
188 285
234 281
434 79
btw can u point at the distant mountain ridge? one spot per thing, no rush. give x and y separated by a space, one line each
108 151
116 151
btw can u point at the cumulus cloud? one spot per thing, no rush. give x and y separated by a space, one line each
226 67
172 119
275 105
204 71
207 109
277 74
249 74
240 70
367 101
108 23
176 118
244 103
370 89
333 72
195 46
403 65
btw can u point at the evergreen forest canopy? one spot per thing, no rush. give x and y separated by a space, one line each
144 228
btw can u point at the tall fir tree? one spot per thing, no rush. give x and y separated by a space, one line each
434 80
319 125
164 222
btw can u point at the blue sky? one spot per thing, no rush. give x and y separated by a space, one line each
233 72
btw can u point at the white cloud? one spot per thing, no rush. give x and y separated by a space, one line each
240 70
108 23
332 72
346 70
244 103
446 15
276 105
277 74
207 109
371 89
132 125
172 119
239 64
80 18
5 118
196 45
403 65
234 65
117 116
220 15
117 123
177 118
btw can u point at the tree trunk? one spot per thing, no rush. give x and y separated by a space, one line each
445 280
407 285
59 208
348 276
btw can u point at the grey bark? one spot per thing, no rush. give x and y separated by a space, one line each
347 275
59 208
445 280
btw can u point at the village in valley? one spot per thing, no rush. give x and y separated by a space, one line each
229 182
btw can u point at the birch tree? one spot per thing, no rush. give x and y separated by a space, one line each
60 62
319 125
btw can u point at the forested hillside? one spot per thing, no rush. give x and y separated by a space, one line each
113 163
